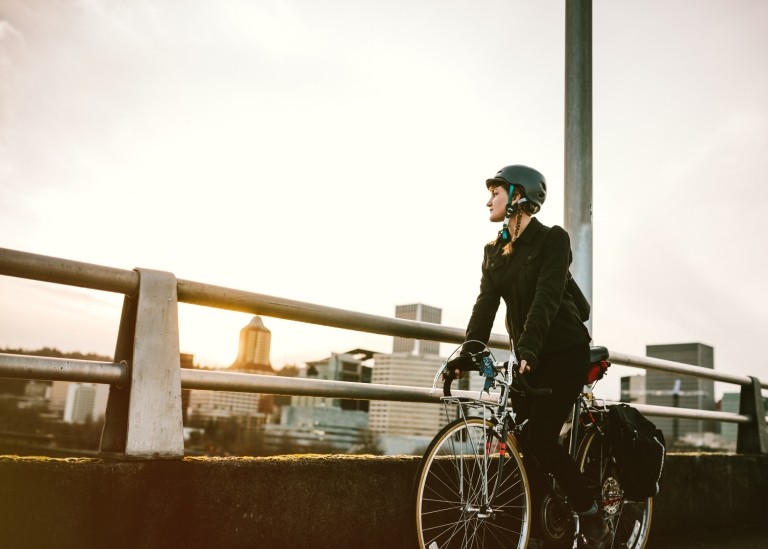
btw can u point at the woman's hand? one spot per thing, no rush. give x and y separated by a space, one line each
458 374
528 360
459 365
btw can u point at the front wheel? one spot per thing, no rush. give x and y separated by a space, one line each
460 502
630 521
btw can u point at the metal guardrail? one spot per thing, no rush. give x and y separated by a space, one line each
649 363
143 417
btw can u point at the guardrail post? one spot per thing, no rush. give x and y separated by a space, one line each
753 436
143 418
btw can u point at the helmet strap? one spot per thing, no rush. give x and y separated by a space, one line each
511 209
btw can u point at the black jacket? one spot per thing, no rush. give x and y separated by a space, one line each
541 314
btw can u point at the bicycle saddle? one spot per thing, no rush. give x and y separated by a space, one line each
596 354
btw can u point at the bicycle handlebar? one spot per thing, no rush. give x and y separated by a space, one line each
474 363
463 363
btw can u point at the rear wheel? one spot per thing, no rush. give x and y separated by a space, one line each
458 502
630 521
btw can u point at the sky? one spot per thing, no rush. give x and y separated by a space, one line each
336 152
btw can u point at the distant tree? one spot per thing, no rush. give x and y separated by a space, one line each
289 370
52 352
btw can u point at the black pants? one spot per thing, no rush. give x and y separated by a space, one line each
565 373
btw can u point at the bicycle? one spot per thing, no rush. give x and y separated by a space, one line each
473 485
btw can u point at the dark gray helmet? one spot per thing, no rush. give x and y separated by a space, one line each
530 182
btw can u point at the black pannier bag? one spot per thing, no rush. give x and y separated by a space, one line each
639 449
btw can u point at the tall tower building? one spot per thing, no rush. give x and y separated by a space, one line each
252 409
253 353
421 313
671 389
406 427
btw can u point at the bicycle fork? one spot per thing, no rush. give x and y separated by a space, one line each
486 509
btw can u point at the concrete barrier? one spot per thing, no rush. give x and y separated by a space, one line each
298 501
701 492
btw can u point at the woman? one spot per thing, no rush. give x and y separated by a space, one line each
527 265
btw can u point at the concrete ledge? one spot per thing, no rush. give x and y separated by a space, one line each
707 492
303 501
298 501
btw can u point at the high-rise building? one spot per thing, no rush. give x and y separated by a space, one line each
671 389
421 313
251 409
253 353
74 402
405 427
80 400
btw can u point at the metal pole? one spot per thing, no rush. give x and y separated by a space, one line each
62 369
578 150
578 140
66 271
649 363
277 385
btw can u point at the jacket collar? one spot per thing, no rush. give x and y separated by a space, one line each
530 232
534 226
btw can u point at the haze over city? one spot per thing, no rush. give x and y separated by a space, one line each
337 153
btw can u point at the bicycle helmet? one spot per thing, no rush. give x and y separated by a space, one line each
530 182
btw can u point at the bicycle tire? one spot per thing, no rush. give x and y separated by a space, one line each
449 487
630 521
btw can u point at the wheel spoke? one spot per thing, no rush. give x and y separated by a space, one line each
455 501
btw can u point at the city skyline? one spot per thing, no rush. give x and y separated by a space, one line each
283 150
